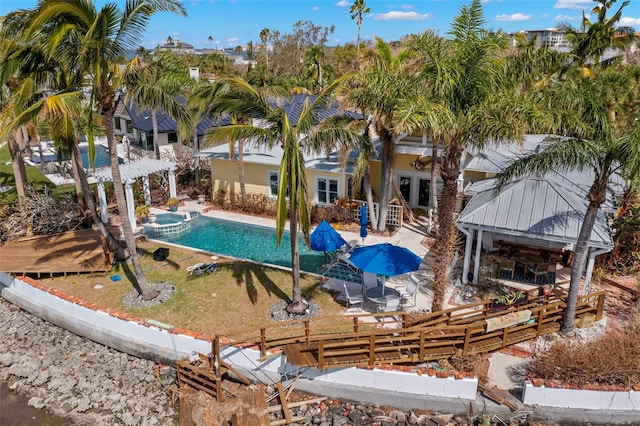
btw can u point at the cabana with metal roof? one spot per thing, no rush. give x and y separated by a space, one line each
545 212
129 172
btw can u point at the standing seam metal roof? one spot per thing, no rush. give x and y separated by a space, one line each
135 169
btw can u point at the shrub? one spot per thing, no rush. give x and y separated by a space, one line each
173 202
612 360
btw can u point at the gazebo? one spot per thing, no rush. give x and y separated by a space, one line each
129 173
546 212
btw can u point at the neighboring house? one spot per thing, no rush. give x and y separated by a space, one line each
136 125
176 46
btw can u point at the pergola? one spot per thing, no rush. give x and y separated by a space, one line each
544 212
129 173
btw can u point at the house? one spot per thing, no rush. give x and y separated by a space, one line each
136 124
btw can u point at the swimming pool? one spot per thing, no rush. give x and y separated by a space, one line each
244 241
102 158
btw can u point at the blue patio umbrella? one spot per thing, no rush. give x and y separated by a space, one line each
325 238
363 222
385 259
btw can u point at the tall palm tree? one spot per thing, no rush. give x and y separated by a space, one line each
264 37
315 57
357 10
90 41
381 90
159 86
463 75
307 135
595 144
593 38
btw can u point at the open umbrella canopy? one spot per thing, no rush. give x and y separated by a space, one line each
325 238
385 259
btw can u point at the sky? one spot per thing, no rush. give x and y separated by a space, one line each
235 22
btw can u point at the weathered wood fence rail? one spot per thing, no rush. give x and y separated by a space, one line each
338 341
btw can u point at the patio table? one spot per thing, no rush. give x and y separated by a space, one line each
528 261
380 293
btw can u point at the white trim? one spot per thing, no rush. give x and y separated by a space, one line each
327 179
269 173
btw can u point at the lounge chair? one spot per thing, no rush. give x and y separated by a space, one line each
201 268
351 298
343 259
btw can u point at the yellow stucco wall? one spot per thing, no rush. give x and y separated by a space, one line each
225 176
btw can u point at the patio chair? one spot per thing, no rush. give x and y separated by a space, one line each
369 280
411 291
352 299
390 304
540 271
508 266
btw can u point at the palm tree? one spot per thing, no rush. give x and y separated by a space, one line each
357 10
307 135
464 76
314 57
90 41
382 89
596 143
591 41
264 37
156 86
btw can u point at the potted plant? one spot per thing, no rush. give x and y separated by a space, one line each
142 213
173 204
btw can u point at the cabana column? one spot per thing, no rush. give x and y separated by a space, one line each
102 199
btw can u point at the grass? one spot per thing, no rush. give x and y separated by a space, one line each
237 296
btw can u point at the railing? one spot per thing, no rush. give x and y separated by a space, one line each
394 213
457 331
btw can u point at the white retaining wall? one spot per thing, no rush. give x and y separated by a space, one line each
581 399
156 343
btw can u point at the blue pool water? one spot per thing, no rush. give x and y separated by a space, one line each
168 218
245 241
102 158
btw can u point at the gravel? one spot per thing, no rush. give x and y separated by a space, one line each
134 300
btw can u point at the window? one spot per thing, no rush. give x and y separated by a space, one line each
173 137
273 184
327 190
129 127
118 124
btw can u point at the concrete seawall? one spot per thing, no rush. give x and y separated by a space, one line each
401 389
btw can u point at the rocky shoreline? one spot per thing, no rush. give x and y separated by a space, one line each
77 378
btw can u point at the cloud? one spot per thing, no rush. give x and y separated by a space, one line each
315 8
515 17
564 18
231 40
574 4
627 21
396 15
407 7
342 3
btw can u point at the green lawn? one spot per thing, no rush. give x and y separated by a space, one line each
237 296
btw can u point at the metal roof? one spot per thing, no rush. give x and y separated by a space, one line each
135 169
541 208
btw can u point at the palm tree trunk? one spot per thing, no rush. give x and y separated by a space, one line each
243 189
443 251
433 199
140 281
385 181
597 194
18 167
113 244
154 124
296 305
366 182
76 165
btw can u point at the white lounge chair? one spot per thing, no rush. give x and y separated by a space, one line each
351 298
343 259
